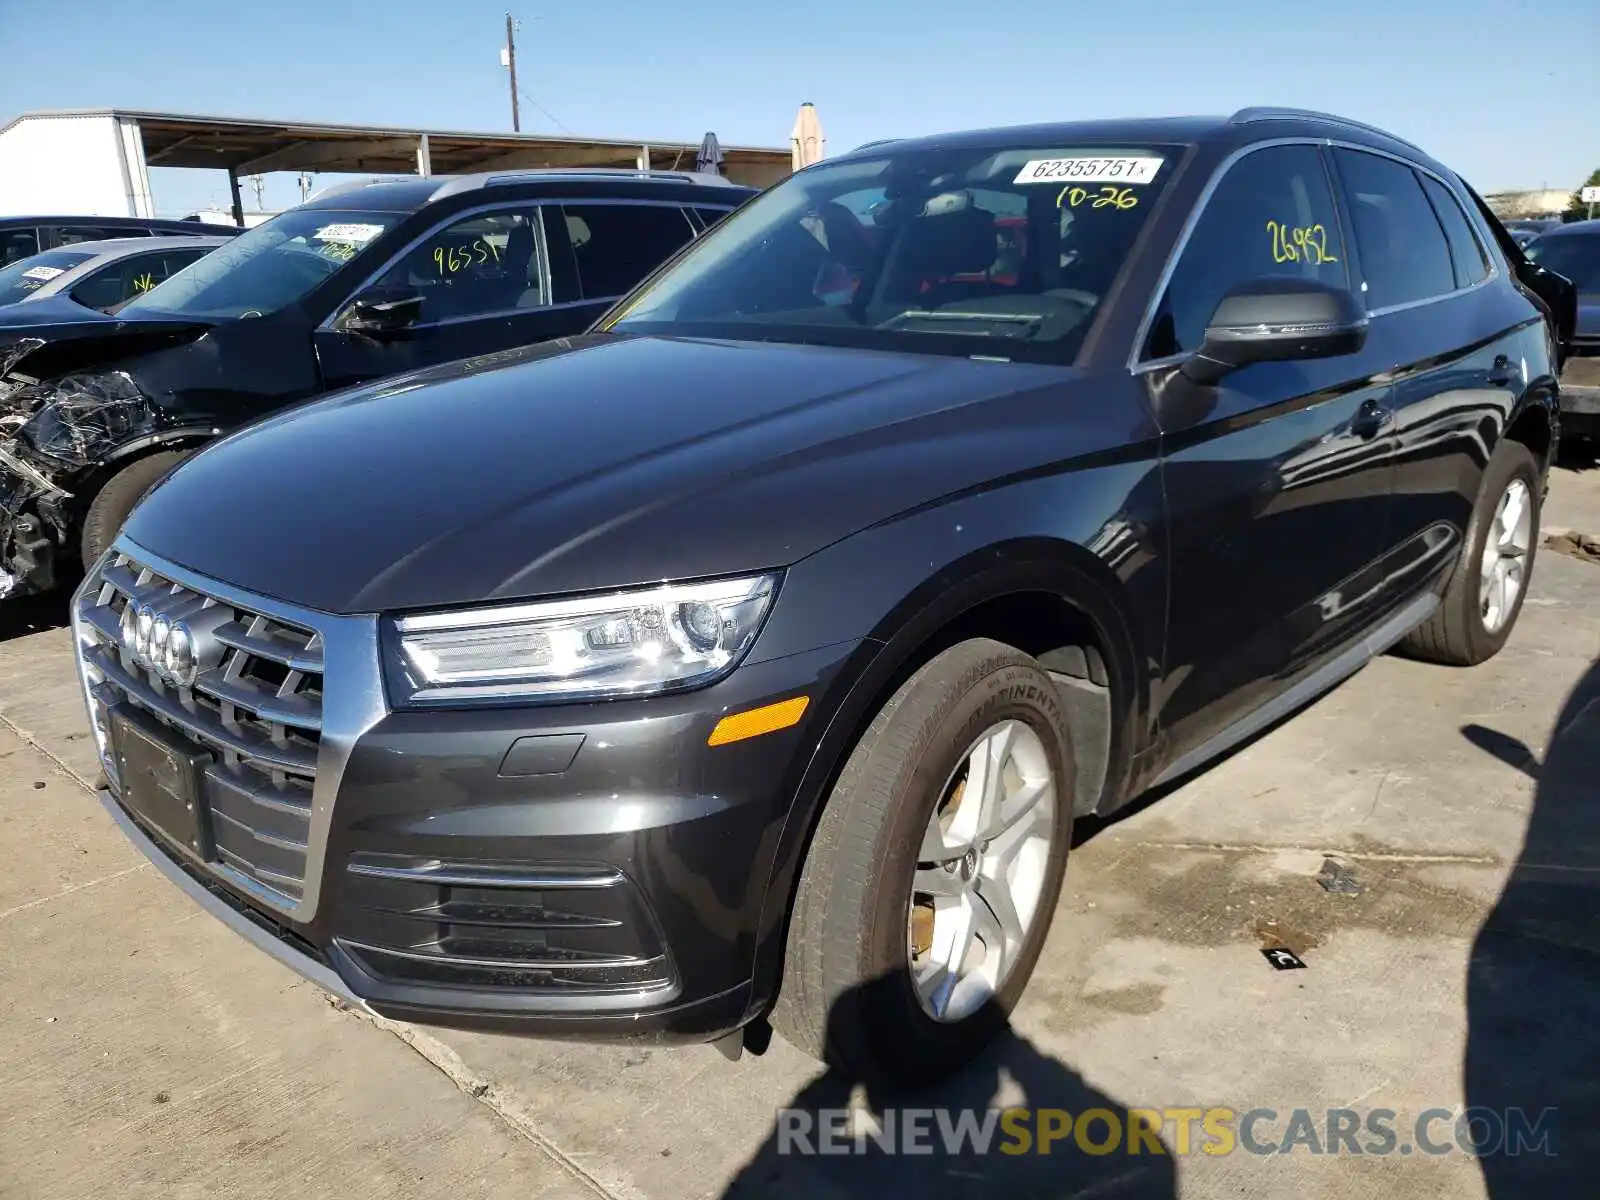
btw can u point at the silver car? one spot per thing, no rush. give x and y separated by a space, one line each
102 275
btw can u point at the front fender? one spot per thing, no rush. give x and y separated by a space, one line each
1095 538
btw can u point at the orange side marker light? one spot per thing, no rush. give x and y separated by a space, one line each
769 718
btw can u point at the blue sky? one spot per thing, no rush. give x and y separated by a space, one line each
1505 91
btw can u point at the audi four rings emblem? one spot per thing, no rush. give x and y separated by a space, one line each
172 636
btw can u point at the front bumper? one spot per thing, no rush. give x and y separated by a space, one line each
593 871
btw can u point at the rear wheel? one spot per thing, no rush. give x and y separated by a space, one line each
930 884
112 504
1484 597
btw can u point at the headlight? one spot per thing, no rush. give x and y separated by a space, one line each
623 644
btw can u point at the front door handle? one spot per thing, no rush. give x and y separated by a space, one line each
1370 418
1504 372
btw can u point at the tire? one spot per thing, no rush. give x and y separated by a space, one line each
112 503
847 996
1456 634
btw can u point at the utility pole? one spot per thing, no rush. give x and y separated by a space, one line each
259 184
305 186
511 62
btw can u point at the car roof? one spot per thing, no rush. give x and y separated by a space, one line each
1246 125
1573 229
173 223
1146 129
409 195
119 247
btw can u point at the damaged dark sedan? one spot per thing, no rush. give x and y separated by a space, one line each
362 283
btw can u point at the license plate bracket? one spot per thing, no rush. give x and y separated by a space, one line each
162 780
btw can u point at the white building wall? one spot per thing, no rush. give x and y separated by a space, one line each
79 166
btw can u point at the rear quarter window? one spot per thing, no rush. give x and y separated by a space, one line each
1466 251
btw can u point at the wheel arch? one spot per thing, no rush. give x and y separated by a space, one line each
183 438
1536 423
1027 579
125 454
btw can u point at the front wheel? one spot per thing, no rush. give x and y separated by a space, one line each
929 886
112 503
1484 596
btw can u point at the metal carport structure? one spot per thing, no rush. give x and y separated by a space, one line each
244 146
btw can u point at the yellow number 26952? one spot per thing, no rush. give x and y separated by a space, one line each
1299 243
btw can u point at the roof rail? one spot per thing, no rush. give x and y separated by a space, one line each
335 189
467 183
1269 113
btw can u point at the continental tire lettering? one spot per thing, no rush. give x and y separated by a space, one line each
1025 691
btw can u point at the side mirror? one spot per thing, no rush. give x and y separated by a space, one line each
376 313
1277 319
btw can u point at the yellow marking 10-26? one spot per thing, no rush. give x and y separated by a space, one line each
1292 243
1110 196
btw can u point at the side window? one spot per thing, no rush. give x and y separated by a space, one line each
66 235
484 263
109 285
174 261
18 243
132 276
1272 214
1466 251
599 251
1404 256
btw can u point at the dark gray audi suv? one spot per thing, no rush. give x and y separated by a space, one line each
746 661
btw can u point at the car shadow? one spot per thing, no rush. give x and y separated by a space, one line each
1012 1073
23 615
1579 456
1533 982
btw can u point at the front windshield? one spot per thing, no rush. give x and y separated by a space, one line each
1575 255
1004 253
26 276
266 269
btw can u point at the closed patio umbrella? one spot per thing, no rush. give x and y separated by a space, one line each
806 142
709 160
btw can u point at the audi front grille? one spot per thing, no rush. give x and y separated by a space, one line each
253 700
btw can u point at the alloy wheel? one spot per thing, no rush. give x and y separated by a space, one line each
1503 572
981 871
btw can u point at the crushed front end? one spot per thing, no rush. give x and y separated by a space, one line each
53 435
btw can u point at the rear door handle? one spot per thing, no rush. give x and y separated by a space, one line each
1504 372
1369 419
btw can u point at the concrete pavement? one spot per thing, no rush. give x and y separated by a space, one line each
1465 972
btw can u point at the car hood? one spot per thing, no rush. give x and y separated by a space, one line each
51 323
592 463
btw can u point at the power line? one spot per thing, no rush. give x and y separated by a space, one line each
535 104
